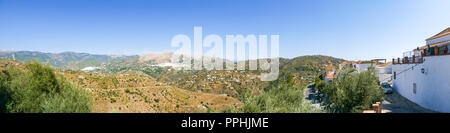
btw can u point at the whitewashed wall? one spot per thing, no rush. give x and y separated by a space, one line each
363 67
440 39
385 70
432 86
384 73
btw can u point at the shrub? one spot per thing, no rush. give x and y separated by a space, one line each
38 89
127 90
282 98
113 100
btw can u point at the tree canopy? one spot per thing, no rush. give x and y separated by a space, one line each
37 88
351 91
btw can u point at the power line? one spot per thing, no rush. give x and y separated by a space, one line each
396 74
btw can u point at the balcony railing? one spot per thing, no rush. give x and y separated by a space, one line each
410 57
417 55
408 60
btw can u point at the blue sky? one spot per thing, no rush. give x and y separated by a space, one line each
349 29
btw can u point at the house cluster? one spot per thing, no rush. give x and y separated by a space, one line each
329 71
422 75
383 68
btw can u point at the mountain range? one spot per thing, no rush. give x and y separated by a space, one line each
64 60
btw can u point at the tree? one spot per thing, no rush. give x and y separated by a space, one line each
281 98
351 91
38 89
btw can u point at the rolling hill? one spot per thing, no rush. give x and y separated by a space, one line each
136 92
140 84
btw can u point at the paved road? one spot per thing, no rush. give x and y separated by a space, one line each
395 103
309 96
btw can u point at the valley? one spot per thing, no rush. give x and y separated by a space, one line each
138 84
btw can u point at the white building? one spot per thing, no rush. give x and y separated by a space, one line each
384 72
424 77
383 69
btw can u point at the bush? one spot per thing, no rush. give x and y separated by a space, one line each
38 89
351 92
282 98
113 100
127 91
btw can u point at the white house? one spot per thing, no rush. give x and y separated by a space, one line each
424 77
384 69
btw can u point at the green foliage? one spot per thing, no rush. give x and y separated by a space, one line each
317 81
351 92
282 98
113 100
306 66
38 89
127 90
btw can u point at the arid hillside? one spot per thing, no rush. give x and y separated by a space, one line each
136 92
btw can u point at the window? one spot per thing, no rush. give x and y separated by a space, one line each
395 75
414 88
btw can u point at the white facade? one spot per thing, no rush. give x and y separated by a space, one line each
427 84
384 73
386 69
438 40
362 67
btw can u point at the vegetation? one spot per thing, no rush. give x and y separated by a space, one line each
306 67
351 92
37 88
130 84
281 98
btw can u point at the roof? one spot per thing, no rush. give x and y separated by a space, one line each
383 65
347 62
330 76
440 34
365 62
433 45
378 60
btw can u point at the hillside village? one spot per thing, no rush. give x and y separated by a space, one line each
150 84
418 78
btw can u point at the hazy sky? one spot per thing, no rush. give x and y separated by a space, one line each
349 29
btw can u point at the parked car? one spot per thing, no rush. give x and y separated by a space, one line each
387 88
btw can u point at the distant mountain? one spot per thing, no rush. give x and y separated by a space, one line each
310 65
156 58
65 60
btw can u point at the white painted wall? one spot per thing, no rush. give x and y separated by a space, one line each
386 69
440 39
384 73
363 67
432 86
384 77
